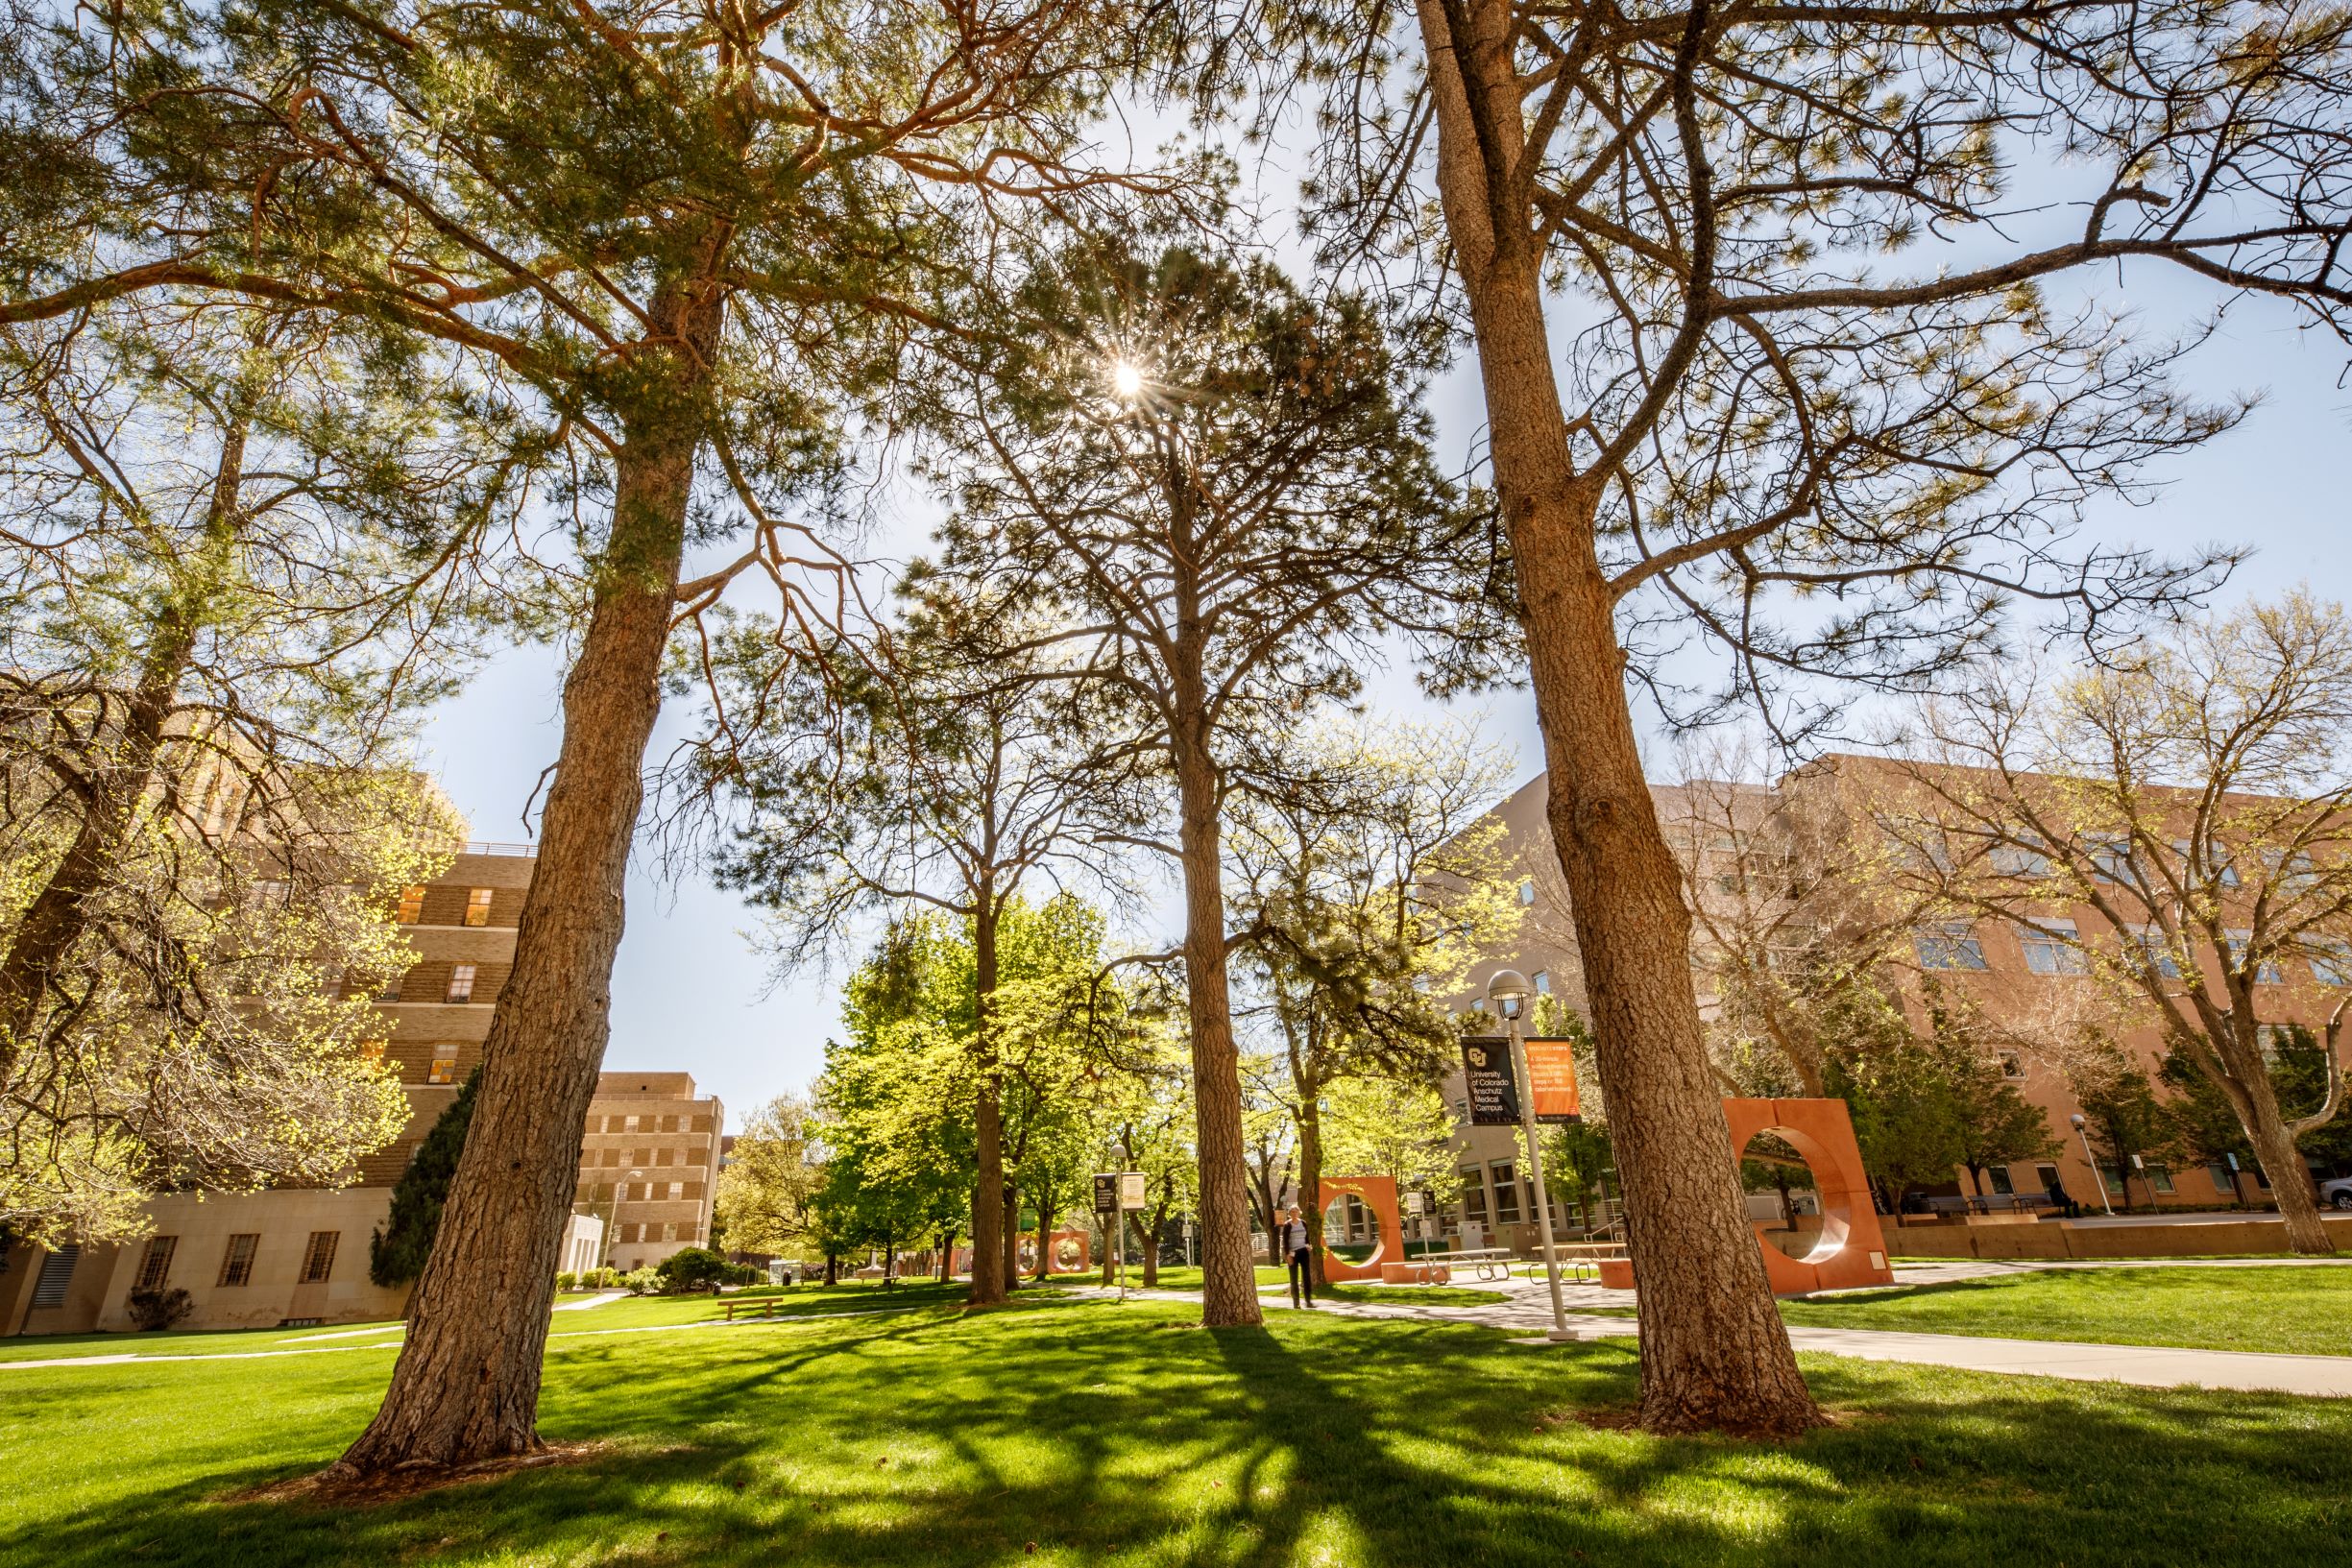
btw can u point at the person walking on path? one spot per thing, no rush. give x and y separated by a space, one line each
1296 1247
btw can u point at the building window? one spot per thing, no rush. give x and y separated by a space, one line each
2111 860
391 991
442 1071
1950 945
2266 972
2330 960
461 983
1544 982
2046 1175
478 906
2160 1177
156 1266
1505 1194
412 905
56 1273
2052 947
2224 1180
1527 891
2268 1037
2012 1065
237 1262
2224 874
2001 1185
2155 953
318 1257
1473 1195
2027 858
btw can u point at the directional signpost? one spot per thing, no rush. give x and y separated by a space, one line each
1117 1193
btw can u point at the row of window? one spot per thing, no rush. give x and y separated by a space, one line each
690 1154
459 987
2054 947
648 1124
237 1260
411 908
673 1230
1513 1198
642 1192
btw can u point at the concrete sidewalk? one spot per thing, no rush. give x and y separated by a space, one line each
1529 1311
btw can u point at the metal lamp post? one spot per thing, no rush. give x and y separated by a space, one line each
609 1210
2082 1131
1508 989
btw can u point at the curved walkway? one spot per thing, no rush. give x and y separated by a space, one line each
2155 1366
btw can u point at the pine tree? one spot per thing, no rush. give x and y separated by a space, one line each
398 1250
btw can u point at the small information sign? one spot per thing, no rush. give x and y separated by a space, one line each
1493 1089
1131 1190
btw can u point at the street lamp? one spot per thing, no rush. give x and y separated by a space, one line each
2098 1175
1508 989
609 1210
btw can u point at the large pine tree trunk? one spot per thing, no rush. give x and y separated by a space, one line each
465 1387
1311 1175
1714 1356
988 1273
1229 1274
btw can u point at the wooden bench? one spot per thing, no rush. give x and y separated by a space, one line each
764 1307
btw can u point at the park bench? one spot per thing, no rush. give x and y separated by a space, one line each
763 1307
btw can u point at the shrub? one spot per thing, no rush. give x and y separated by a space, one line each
694 1268
152 1310
567 1281
642 1282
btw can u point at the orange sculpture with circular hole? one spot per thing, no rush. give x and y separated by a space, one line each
1851 1250
1380 1194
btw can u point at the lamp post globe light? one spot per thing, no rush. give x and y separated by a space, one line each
1508 990
2082 1131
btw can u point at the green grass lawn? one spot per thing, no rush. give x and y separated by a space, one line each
629 1311
2304 1312
1119 1435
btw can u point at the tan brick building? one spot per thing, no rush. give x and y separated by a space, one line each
1723 833
290 1255
649 1165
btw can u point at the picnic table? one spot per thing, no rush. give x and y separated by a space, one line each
1487 1261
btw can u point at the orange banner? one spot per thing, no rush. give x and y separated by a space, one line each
1551 1071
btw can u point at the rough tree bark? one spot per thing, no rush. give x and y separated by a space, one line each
465 1387
988 1271
1311 1170
1228 1275
1714 1356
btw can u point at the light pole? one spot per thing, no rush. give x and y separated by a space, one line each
1508 989
2082 1132
609 1210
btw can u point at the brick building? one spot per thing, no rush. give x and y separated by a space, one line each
1741 860
649 1165
290 1255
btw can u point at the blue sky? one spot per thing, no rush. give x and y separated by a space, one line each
691 993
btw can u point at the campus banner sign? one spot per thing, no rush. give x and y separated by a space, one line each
1493 1088
1106 1192
1131 1190
1551 1072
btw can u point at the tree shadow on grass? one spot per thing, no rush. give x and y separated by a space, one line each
1111 1434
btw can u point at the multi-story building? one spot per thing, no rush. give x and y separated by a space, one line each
294 1255
1753 860
649 1165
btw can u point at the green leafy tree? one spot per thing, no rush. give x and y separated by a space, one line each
397 1249
1209 489
770 1176
678 247
2122 1118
